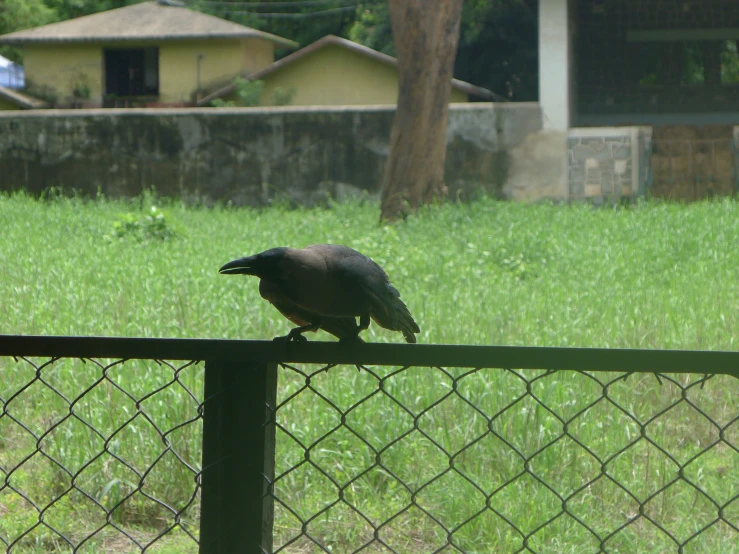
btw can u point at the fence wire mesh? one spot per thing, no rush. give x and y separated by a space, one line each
105 456
99 455
409 460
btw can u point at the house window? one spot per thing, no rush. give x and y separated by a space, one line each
710 63
730 63
131 72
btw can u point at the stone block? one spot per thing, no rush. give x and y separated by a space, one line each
592 190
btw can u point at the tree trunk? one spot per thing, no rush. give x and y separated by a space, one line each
425 34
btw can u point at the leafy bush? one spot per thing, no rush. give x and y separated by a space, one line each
152 225
221 103
249 93
282 96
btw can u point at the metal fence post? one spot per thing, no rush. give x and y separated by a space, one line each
238 458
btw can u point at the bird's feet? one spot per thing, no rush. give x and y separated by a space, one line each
292 336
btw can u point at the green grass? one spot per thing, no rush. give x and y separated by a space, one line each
648 276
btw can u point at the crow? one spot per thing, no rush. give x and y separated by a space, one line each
327 286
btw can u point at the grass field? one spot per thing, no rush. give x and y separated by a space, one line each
647 276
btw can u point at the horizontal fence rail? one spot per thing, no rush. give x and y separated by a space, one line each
522 357
214 446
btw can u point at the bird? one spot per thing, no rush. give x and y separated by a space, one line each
327 286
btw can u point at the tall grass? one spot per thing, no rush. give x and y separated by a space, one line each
650 276
656 275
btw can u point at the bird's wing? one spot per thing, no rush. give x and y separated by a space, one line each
390 312
385 305
313 279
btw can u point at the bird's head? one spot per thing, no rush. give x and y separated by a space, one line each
264 264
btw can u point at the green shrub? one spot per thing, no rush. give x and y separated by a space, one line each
249 93
152 225
221 103
282 96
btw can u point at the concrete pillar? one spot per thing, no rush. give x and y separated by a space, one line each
554 64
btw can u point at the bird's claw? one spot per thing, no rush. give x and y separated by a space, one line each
287 339
291 337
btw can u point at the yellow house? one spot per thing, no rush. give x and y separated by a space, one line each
151 53
336 71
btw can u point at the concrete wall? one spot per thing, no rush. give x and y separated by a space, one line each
251 156
336 76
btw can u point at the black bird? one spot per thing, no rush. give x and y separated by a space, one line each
326 286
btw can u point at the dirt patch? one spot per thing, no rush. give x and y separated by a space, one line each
691 162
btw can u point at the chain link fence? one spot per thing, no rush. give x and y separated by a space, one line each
98 455
488 460
132 455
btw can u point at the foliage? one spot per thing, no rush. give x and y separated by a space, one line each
730 63
221 103
498 47
151 225
303 30
497 44
80 86
282 96
21 14
249 93
372 28
82 91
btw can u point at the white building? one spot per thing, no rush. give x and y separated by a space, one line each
644 93
11 74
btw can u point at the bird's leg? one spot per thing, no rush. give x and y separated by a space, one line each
364 322
296 334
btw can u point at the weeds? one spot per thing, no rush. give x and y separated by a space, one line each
152 225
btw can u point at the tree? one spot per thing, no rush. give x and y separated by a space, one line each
371 27
497 43
303 22
425 33
22 14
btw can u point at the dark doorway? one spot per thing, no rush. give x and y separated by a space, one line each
131 72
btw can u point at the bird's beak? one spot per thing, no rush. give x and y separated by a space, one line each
237 267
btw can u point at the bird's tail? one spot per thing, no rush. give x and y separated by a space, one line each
390 312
